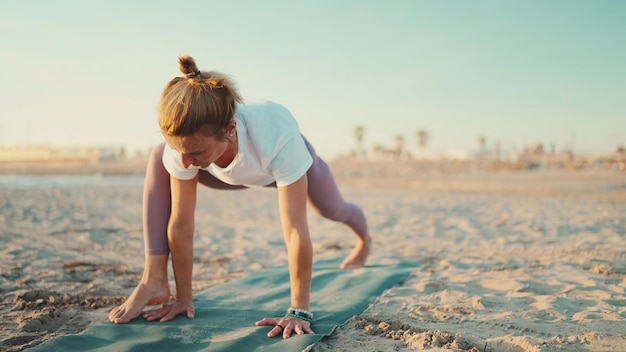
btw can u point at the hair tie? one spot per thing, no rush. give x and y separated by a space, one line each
194 75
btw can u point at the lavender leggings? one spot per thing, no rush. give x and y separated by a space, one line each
323 194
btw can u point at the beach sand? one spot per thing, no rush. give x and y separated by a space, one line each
510 261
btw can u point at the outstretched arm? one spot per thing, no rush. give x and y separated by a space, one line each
292 206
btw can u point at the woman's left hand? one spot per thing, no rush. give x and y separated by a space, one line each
286 326
169 311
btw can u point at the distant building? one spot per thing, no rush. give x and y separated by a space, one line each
49 154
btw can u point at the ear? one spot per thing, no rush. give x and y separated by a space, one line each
232 125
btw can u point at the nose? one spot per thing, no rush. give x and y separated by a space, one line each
186 159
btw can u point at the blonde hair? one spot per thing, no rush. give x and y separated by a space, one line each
198 101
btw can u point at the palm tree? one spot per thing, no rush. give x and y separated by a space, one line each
482 142
399 145
422 139
359 132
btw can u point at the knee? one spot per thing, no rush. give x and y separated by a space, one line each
335 213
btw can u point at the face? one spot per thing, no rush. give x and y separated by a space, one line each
197 149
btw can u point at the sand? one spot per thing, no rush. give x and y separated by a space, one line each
510 261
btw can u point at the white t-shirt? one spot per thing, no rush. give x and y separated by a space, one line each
271 149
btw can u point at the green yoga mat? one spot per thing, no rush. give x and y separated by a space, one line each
225 314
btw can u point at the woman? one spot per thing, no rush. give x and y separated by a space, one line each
215 139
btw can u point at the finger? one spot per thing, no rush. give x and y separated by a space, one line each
298 330
150 313
170 315
157 313
287 332
276 331
155 317
308 329
266 321
159 310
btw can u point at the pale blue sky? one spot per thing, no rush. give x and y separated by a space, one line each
520 72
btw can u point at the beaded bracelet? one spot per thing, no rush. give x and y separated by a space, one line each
300 311
307 319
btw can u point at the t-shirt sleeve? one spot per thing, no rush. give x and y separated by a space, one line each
291 162
174 166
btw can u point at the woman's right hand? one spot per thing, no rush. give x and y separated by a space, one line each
169 311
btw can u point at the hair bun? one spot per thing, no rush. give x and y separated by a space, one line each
187 66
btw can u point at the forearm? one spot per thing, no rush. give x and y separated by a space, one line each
180 239
300 256
292 205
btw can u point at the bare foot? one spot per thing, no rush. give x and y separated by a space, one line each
359 254
144 294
